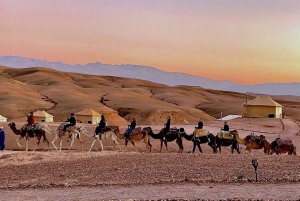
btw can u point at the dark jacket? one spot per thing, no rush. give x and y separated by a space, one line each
168 124
133 124
226 128
102 123
200 124
72 121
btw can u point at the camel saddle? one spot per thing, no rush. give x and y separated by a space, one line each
69 129
201 133
257 138
225 135
136 131
281 142
32 127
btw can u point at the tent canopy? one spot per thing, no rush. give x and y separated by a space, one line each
42 114
88 112
263 101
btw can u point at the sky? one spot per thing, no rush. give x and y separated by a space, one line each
244 41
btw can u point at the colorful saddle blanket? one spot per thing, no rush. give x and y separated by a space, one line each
201 133
225 135
69 129
33 127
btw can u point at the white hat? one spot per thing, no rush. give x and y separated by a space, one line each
1 127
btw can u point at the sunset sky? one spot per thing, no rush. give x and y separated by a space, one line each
245 41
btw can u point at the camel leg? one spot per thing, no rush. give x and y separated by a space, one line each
100 142
82 144
18 139
27 140
161 144
146 141
199 147
194 147
117 142
179 143
53 141
134 146
38 144
149 144
72 142
92 144
60 144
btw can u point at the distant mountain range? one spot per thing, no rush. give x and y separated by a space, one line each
154 75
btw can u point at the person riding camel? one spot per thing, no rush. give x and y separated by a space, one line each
167 127
226 127
131 127
200 124
101 125
30 119
72 121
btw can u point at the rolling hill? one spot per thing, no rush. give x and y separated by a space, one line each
120 99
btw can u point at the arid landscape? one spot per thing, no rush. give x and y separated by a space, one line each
128 174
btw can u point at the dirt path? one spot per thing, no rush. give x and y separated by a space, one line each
187 191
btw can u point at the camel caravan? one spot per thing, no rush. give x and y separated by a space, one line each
225 137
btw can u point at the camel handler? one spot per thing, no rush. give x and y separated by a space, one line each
2 139
72 121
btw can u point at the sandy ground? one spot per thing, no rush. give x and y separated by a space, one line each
122 175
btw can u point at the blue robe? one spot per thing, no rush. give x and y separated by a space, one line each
2 139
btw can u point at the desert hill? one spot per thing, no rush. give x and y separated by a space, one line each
120 99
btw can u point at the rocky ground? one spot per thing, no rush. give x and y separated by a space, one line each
122 175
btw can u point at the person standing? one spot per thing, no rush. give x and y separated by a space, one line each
2 139
72 121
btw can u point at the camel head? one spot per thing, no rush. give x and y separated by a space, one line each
234 132
12 125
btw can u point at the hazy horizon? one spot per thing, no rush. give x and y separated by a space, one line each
246 42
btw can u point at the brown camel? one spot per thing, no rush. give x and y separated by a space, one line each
252 141
136 135
280 146
29 133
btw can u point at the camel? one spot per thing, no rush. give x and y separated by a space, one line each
27 134
137 135
201 136
173 134
252 141
71 133
227 139
106 131
280 146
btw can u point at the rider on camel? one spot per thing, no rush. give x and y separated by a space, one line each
200 124
226 127
131 127
167 127
72 121
30 119
101 125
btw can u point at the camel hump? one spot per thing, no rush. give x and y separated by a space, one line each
284 141
200 132
136 131
69 129
225 135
